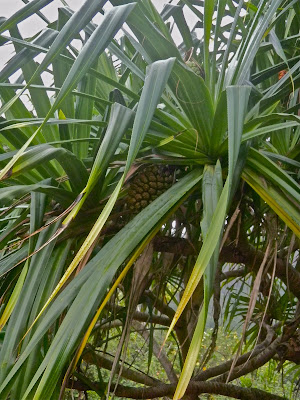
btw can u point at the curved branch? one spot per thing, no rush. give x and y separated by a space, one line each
234 273
196 388
264 356
252 258
244 253
222 368
137 316
252 364
96 359
160 305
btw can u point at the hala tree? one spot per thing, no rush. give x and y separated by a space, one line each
142 184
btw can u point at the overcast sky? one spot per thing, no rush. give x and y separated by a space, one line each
34 24
8 7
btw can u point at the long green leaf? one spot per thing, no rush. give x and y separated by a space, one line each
25 55
274 173
106 31
71 28
156 73
7 263
50 278
26 11
104 265
276 199
120 119
40 154
188 89
155 81
18 319
237 100
208 16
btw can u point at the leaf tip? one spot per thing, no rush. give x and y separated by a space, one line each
6 175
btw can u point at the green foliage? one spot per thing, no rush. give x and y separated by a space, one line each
221 244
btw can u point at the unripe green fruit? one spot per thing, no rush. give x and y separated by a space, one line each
148 184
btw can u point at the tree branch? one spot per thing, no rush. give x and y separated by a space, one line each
137 316
233 273
244 253
252 364
263 357
196 388
252 258
96 359
160 305
170 244
222 368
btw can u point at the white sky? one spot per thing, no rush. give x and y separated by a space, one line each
35 24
